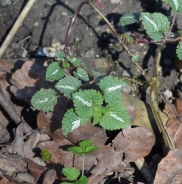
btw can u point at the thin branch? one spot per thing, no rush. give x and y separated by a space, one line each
16 26
118 37
173 21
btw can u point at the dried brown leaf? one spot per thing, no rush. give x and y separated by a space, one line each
134 142
50 176
96 179
170 168
109 160
34 169
88 131
141 117
28 80
21 78
174 125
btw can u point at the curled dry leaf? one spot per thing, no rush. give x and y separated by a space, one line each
134 142
109 160
50 176
24 80
140 117
174 125
14 167
170 168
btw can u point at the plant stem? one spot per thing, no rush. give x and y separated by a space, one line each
173 21
155 109
16 26
83 164
118 37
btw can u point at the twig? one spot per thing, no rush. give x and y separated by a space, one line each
121 42
16 26
173 21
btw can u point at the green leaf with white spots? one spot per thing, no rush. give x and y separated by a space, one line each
72 121
86 101
74 61
44 99
68 85
176 5
116 117
54 72
81 74
111 87
129 18
179 50
155 24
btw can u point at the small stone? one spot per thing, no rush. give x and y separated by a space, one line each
77 39
6 2
168 93
55 44
126 89
115 1
126 73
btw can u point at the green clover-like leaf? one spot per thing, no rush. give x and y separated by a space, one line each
74 61
87 146
54 72
81 74
44 99
46 156
71 173
179 50
68 85
76 150
82 180
85 101
155 24
129 18
116 118
72 121
176 5
111 87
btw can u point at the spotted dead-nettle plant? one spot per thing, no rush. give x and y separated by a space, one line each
102 106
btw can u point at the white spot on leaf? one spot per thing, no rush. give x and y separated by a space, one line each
75 124
151 22
113 88
66 87
116 117
42 101
89 104
176 4
54 72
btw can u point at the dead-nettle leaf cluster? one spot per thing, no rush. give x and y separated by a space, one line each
102 106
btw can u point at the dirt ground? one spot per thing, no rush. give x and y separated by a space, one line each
45 27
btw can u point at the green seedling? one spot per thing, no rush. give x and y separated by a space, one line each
85 147
73 175
46 156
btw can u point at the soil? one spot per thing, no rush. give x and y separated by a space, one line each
46 25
